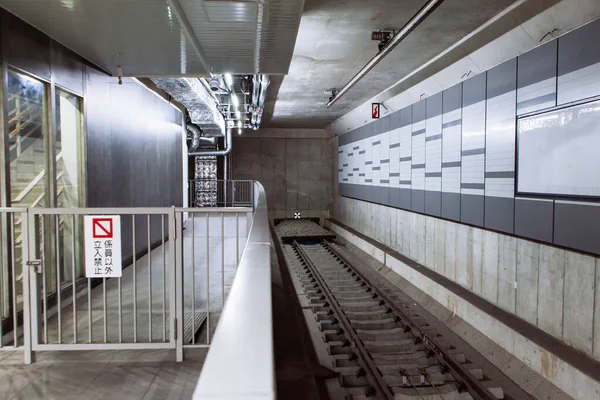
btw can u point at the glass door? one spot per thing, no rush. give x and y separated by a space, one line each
69 183
28 150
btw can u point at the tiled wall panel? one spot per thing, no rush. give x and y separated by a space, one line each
433 156
453 154
500 146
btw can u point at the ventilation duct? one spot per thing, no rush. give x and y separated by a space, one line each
198 100
224 152
195 134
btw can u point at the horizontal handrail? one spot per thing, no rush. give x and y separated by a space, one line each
240 363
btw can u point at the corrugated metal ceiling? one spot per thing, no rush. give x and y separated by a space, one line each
148 37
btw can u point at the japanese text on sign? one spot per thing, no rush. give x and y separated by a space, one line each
103 247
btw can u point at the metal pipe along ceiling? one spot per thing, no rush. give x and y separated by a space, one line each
224 152
419 17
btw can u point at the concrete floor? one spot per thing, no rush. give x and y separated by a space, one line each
132 374
127 375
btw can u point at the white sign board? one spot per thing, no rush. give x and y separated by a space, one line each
103 247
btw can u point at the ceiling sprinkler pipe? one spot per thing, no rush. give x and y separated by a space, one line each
224 152
415 21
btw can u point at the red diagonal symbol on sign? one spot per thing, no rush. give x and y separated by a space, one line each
375 111
102 228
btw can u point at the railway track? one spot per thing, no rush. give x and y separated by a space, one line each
380 348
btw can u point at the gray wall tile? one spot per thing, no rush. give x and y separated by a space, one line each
499 214
577 225
538 64
451 206
471 209
452 98
433 203
474 89
534 219
418 201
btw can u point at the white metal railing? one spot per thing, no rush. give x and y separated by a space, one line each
240 362
163 298
220 193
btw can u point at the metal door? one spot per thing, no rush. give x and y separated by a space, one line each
72 312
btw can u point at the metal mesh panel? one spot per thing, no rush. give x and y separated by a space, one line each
206 171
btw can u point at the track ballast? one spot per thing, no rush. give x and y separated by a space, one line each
380 349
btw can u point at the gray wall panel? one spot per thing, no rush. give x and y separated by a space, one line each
471 209
451 206
405 199
500 146
368 193
67 69
502 79
433 203
577 49
385 123
395 120
419 111
434 105
579 64
395 197
499 214
474 89
418 201
134 152
383 195
534 219
538 64
577 225
25 47
406 116
452 98
537 78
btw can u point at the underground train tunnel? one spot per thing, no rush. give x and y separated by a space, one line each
300 199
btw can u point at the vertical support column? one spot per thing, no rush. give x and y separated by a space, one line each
176 297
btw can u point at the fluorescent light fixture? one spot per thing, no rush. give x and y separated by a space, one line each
237 114
234 100
240 124
229 80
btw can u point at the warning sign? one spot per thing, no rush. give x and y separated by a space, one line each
375 110
103 247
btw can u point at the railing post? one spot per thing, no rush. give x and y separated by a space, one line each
28 356
176 246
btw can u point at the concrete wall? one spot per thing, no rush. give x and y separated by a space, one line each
294 165
534 358
551 288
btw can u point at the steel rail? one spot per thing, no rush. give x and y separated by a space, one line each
382 390
462 376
